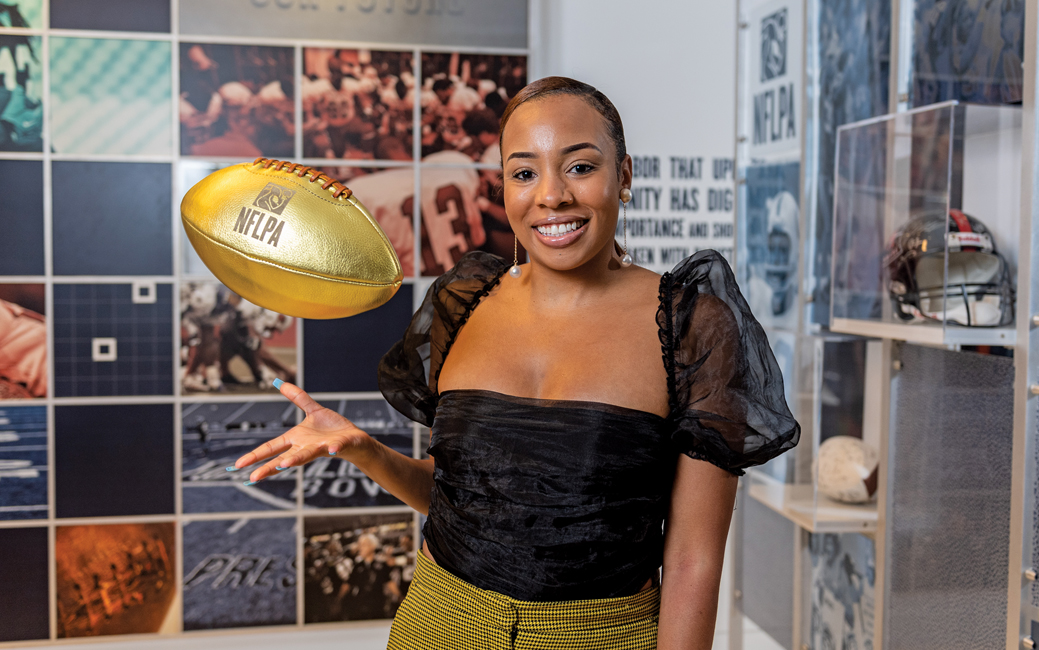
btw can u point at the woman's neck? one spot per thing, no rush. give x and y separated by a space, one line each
552 289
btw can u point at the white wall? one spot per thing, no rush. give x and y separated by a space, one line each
669 67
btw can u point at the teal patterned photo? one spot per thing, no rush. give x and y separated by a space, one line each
21 90
110 96
21 13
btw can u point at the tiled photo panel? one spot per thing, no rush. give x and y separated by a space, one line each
343 355
23 341
357 567
21 213
116 579
189 173
110 96
331 482
461 212
113 460
23 462
463 98
237 101
230 345
214 436
357 104
239 573
24 602
113 339
389 194
112 218
21 86
111 15
21 13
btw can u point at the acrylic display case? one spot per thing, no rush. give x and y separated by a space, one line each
926 222
827 376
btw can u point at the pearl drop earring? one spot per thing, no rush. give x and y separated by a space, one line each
626 260
515 271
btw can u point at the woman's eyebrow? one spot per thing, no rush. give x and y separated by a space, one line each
570 149
577 147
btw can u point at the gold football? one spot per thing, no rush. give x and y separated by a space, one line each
289 238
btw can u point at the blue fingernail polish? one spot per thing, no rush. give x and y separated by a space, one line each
232 468
280 469
332 453
277 382
248 483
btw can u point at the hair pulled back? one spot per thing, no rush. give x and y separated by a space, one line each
549 86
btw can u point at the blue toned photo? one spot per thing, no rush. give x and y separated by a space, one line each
842 591
854 61
970 50
769 237
333 482
239 573
23 462
215 435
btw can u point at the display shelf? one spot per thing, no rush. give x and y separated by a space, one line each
816 514
926 225
925 335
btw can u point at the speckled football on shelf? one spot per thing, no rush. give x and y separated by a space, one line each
847 469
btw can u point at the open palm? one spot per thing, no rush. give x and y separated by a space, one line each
323 432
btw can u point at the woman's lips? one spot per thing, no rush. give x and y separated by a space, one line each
560 241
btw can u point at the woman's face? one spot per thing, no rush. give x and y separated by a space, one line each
561 181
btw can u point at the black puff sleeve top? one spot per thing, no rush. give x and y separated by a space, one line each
565 500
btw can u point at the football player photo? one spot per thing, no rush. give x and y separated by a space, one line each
228 344
357 104
463 97
21 86
236 101
23 342
357 567
771 243
388 194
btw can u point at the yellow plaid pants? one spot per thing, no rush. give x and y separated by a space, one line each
442 612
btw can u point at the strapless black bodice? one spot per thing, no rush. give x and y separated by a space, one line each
562 500
569 496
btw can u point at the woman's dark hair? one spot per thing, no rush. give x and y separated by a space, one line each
549 86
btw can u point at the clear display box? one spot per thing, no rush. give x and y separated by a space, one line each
926 224
826 381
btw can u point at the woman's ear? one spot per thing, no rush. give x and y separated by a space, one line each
625 173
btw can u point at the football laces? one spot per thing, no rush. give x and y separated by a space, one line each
339 190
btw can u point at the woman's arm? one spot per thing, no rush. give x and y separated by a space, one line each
694 546
325 432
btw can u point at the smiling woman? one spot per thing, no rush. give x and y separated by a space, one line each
569 464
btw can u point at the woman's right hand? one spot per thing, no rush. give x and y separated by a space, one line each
322 433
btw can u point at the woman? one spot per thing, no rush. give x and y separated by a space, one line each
577 402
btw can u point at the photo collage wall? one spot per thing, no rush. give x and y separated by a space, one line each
130 377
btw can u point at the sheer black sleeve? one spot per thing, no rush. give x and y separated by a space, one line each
724 385
409 372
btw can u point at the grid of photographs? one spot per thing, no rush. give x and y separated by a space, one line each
131 378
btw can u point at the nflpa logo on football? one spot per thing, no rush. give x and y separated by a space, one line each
257 224
274 198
